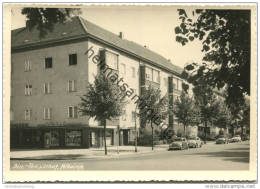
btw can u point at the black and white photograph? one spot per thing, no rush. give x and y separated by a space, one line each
131 88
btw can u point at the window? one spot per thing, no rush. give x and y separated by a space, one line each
149 74
73 137
112 60
28 114
72 59
133 72
48 62
174 80
73 112
28 90
122 69
156 77
27 66
179 85
72 85
124 115
133 116
47 88
47 113
165 82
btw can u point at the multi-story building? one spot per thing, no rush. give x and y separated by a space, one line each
49 75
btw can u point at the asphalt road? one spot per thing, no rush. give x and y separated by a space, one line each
234 156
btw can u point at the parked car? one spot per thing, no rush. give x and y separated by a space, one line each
236 138
222 139
194 142
179 144
245 137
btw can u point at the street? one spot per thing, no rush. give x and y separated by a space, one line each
233 156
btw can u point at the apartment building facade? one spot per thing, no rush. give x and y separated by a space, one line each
50 74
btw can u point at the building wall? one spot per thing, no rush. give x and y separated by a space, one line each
58 76
132 82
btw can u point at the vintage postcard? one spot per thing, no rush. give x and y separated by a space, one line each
135 93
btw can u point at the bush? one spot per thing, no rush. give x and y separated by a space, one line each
144 140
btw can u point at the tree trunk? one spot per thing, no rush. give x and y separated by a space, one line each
205 131
184 128
152 133
135 135
105 142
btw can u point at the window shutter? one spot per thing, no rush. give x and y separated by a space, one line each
44 88
25 115
50 88
75 85
68 86
30 114
75 112
75 58
49 113
44 113
25 89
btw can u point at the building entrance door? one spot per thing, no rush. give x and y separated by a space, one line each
47 139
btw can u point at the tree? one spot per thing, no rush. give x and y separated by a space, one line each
103 101
225 36
245 122
45 18
223 119
152 108
205 100
185 111
240 116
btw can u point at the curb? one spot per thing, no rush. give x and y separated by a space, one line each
113 156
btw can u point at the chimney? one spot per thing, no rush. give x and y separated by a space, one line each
145 46
121 35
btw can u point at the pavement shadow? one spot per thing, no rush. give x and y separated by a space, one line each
238 149
52 157
242 157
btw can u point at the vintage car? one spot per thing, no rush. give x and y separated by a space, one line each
222 139
179 144
245 137
236 138
194 142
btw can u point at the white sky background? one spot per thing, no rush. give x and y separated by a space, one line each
150 26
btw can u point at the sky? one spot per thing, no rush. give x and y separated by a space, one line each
152 26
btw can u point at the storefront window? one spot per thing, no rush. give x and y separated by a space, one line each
54 138
73 138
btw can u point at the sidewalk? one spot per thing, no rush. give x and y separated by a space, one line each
91 153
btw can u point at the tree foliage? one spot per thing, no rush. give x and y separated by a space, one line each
207 103
186 111
223 118
45 18
103 101
153 108
225 36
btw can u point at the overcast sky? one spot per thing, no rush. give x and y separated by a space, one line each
150 26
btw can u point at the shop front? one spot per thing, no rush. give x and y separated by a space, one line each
49 137
60 137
